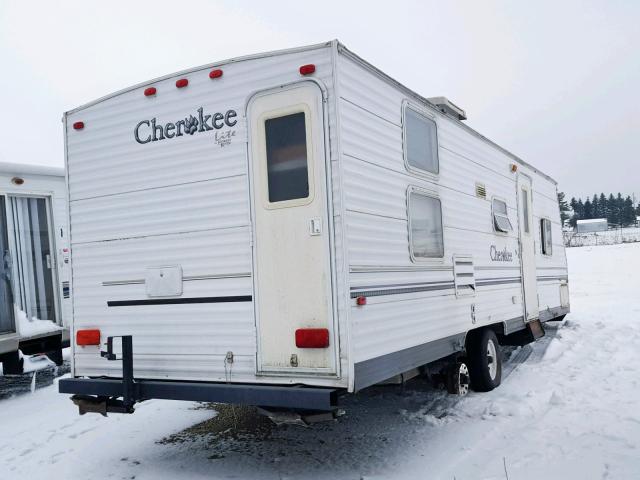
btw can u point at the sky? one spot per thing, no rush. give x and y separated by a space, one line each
556 83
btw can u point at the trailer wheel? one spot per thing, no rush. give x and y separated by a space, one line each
485 361
12 364
458 379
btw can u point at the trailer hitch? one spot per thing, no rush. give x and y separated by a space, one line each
129 387
130 391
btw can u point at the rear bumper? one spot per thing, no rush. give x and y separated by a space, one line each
298 397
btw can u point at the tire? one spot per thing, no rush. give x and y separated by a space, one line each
12 364
457 379
484 359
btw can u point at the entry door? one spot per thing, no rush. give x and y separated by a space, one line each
292 273
527 248
6 298
33 257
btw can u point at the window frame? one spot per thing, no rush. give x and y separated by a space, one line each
423 112
493 213
526 214
543 231
426 193
264 168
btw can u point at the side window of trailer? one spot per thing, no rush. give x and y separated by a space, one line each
420 142
501 222
545 233
425 226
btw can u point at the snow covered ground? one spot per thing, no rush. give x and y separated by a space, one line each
571 410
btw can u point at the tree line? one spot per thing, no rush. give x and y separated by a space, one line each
617 210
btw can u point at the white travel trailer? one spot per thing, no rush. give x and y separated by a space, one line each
281 228
592 225
34 260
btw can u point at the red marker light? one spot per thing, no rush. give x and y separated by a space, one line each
361 301
217 73
78 125
312 338
307 69
148 92
183 82
88 337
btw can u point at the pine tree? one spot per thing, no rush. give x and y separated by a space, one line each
580 209
619 209
595 206
628 213
611 210
604 211
564 207
573 204
587 212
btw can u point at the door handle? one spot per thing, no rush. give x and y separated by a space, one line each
315 226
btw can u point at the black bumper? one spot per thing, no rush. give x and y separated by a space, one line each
295 397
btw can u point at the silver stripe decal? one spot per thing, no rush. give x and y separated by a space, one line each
379 290
189 278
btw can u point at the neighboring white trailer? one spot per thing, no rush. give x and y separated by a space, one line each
33 272
280 228
592 225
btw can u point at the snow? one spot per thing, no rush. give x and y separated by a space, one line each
30 327
568 410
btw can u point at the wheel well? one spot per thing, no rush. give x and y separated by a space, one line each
498 329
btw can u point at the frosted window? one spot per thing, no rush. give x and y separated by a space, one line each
545 230
421 141
287 169
525 210
425 222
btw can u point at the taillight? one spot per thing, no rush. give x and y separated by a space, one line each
307 69
149 92
88 337
183 82
312 338
78 125
361 301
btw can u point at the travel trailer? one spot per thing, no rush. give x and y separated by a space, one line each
592 225
34 260
283 228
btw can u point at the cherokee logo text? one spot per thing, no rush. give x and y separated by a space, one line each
500 255
149 131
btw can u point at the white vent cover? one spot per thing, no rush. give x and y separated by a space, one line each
463 275
481 190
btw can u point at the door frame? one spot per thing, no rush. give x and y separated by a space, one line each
12 310
48 198
331 260
523 274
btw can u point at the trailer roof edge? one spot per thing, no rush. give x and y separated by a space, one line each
207 66
30 169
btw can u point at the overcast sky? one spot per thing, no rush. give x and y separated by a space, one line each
555 82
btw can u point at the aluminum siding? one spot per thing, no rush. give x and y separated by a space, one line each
375 191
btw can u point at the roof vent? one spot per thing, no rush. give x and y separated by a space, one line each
448 108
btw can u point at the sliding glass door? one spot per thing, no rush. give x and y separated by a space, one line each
33 259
